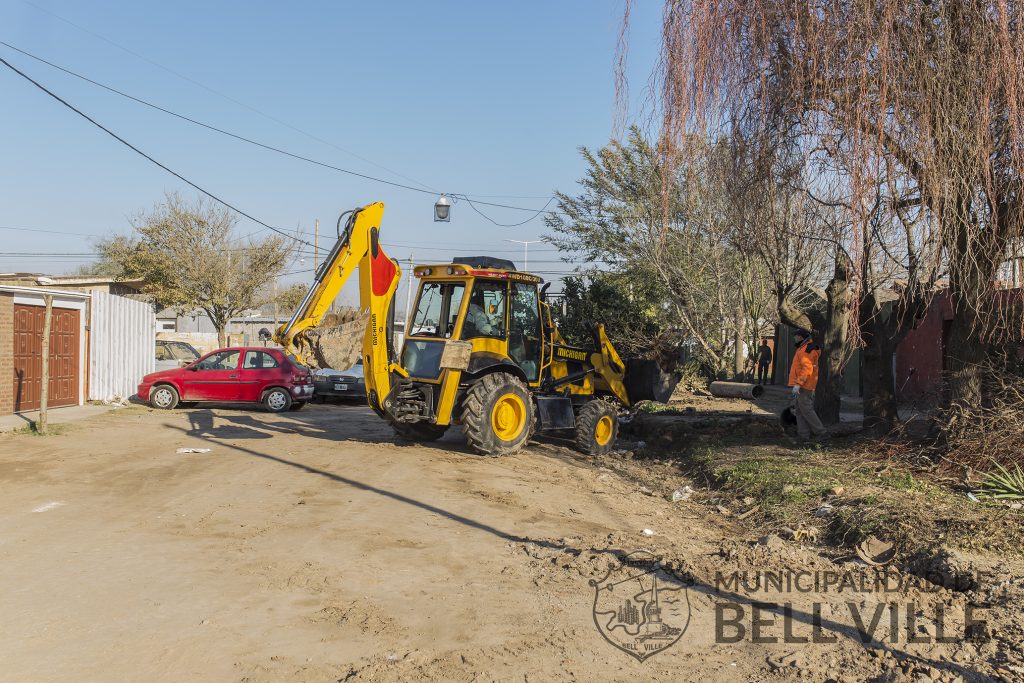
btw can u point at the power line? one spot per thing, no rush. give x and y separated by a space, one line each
48 232
509 225
222 95
285 152
143 154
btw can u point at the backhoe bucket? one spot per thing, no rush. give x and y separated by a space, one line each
645 381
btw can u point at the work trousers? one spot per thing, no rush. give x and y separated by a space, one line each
762 373
807 421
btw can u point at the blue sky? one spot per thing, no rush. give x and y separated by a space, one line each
481 98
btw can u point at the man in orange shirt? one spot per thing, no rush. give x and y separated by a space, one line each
803 375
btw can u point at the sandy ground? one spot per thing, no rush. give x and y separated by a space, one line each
313 546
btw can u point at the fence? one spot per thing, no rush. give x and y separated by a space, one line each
122 345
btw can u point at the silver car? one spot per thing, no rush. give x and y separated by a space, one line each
341 383
174 354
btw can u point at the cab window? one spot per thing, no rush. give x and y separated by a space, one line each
437 309
485 316
524 335
220 360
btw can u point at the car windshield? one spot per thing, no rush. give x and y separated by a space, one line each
182 351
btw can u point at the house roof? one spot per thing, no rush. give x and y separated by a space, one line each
39 291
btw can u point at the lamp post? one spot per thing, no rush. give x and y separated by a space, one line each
526 250
442 210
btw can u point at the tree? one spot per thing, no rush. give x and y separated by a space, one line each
923 96
797 239
630 311
678 251
188 259
289 298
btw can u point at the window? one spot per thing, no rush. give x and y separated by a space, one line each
182 351
486 314
162 352
259 360
437 309
221 360
524 342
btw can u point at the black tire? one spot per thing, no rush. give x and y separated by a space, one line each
277 400
597 427
164 397
497 414
419 431
297 405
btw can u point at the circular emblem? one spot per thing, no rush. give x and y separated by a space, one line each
639 607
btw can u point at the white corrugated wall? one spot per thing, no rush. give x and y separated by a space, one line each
122 346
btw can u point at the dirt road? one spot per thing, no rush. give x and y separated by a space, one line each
312 546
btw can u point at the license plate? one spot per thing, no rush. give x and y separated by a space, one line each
341 387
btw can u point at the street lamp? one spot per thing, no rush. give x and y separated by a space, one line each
442 210
526 250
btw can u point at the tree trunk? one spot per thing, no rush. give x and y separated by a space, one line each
964 357
739 357
834 343
44 389
974 259
222 336
881 413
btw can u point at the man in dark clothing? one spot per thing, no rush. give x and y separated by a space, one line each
764 361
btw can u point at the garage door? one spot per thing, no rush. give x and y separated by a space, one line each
28 357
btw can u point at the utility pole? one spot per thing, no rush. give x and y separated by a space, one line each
44 389
526 250
277 322
408 295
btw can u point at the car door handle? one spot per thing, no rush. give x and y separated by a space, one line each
232 376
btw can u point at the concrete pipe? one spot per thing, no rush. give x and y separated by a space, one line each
736 390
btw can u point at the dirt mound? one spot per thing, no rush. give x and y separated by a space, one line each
338 340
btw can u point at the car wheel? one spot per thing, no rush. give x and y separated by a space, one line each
163 396
297 405
277 400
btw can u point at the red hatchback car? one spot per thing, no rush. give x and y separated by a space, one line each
235 375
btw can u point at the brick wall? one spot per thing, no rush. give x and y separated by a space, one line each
6 354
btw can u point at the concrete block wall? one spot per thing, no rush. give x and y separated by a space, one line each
6 354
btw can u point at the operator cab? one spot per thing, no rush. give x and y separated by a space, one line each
481 300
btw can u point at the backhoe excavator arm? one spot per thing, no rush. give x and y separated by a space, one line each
609 365
358 247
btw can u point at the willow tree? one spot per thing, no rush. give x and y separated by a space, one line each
926 96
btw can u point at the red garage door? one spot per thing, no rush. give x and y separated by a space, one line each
28 357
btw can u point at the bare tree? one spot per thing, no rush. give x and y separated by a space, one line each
188 258
796 236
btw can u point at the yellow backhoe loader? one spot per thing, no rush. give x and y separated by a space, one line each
480 349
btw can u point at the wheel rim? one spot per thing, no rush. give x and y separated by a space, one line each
162 397
508 418
276 400
604 430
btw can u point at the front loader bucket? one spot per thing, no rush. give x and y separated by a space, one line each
645 381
